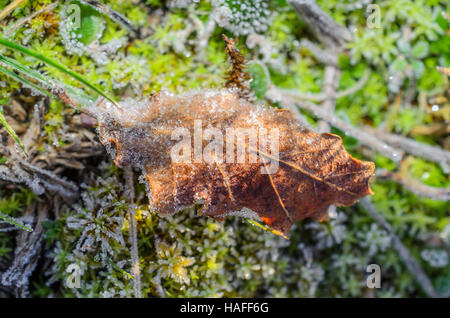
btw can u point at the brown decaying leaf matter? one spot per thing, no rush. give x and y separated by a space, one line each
315 171
236 78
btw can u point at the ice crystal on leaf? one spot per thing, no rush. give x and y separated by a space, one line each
80 39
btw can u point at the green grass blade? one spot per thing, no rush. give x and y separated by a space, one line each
121 270
10 220
56 65
11 131
25 70
41 78
267 229
23 80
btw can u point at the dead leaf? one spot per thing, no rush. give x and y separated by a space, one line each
315 171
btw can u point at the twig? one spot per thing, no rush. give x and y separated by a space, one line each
412 265
330 86
322 55
26 254
360 84
387 144
11 7
300 116
444 70
24 20
133 233
328 31
441 194
203 35
53 177
432 153
22 172
334 37
321 96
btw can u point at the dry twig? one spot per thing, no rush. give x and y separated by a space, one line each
24 20
441 194
419 149
10 8
26 254
133 233
412 265
333 36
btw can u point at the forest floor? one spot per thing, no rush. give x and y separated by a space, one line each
73 224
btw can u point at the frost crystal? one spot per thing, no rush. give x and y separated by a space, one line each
242 17
181 3
325 239
436 258
375 239
100 220
99 52
222 15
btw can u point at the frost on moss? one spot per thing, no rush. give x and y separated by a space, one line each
190 255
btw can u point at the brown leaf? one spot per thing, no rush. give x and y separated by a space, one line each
314 170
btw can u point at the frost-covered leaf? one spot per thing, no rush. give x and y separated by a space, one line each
404 46
399 65
260 82
314 171
418 68
420 49
91 23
